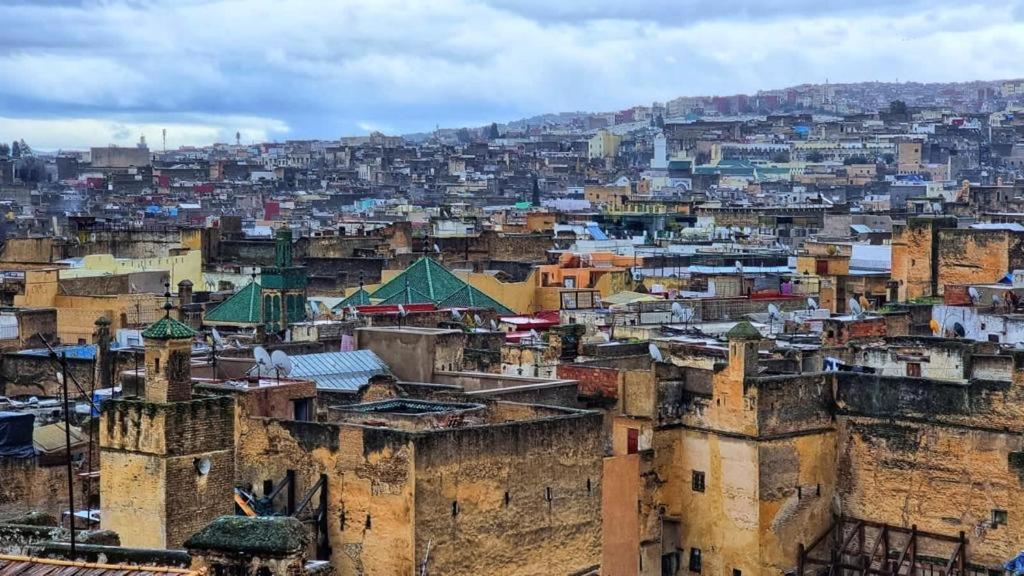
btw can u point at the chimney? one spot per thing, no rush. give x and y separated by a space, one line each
103 361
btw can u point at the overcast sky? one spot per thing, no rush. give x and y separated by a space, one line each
75 73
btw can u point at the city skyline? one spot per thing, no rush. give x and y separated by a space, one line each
106 72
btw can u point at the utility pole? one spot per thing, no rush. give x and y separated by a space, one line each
67 445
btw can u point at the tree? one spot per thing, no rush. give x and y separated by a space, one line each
898 108
815 156
492 132
855 160
781 158
5 150
15 149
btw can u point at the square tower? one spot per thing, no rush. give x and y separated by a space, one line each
166 459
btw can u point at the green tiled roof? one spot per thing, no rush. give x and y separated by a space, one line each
427 282
358 298
470 297
743 331
243 307
426 277
168 328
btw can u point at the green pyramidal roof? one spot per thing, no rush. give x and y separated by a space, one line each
430 279
743 331
471 297
427 282
243 307
168 328
358 298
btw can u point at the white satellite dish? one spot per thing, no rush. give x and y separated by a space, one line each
456 315
281 362
637 276
812 304
605 336
739 266
534 336
855 307
973 293
683 314
202 466
655 353
263 361
773 311
402 311
352 311
494 326
437 249
477 320
995 300
217 339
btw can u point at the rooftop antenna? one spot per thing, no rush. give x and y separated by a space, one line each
263 360
652 349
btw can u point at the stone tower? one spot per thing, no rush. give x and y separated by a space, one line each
283 286
166 459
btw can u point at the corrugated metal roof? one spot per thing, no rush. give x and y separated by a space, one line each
337 370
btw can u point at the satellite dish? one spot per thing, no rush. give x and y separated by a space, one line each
995 299
958 330
494 325
934 325
477 320
456 315
855 307
637 276
812 304
281 362
352 311
739 266
402 311
437 249
684 314
773 310
262 358
534 336
973 293
217 339
655 353
202 466
605 336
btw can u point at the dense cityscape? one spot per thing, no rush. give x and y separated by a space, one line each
776 333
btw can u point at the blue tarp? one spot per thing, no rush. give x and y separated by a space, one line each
16 434
1017 564
596 233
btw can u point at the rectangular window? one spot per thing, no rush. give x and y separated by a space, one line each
999 517
695 563
632 441
914 369
698 481
993 337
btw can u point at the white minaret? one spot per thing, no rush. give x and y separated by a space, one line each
660 160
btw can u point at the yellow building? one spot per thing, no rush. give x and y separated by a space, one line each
604 144
180 264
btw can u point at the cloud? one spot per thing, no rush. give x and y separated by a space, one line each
320 68
82 133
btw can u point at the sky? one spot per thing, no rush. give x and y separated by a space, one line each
79 73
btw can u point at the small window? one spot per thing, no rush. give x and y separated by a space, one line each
547 494
632 440
455 508
993 337
695 563
914 369
157 370
737 572
999 517
698 481
508 499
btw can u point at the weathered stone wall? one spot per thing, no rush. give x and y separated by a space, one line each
943 479
549 522
28 487
969 256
